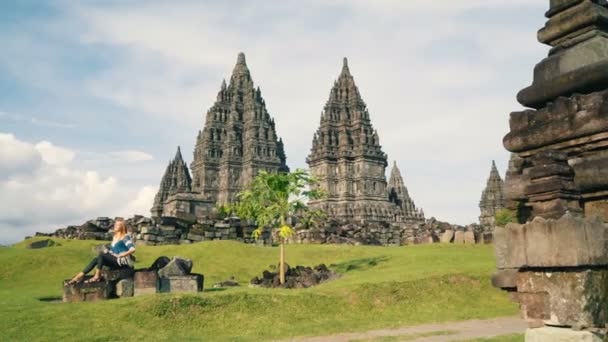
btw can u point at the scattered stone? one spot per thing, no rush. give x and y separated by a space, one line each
447 236
176 267
459 237
43 244
227 283
82 292
554 334
295 278
469 237
125 288
182 284
118 274
145 282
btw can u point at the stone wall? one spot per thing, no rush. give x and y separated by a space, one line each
186 229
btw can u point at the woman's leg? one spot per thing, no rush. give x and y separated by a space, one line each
104 260
85 271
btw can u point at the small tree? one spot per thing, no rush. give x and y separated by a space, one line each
504 217
271 199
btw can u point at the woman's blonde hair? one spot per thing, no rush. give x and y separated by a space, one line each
123 226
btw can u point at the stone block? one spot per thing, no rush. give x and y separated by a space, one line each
459 237
554 334
567 242
469 237
447 236
125 288
575 298
176 267
195 237
597 208
185 217
505 279
182 284
115 275
534 306
43 244
145 282
166 228
149 237
81 292
150 230
509 246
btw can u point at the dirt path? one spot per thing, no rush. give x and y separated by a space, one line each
460 331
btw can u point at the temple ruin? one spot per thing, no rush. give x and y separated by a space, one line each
347 159
554 260
238 140
492 199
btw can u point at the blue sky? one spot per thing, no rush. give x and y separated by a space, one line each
95 96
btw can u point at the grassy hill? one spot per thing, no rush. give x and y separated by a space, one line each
381 287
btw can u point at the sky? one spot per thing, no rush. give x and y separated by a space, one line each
95 96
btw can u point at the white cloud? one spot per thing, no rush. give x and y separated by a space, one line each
53 192
142 203
131 156
436 80
54 155
16 156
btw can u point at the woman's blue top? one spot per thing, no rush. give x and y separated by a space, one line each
122 245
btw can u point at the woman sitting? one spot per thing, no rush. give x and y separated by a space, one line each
118 256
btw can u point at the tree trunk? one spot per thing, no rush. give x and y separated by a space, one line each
282 263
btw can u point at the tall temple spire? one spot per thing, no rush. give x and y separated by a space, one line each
492 198
347 159
175 180
239 139
399 195
345 70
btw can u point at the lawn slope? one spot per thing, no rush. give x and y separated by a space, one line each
381 287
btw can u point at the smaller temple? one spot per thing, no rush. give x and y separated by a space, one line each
175 180
398 194
492 199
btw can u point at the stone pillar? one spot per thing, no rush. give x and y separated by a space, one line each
554 262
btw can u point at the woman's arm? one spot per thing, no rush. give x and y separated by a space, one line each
129 252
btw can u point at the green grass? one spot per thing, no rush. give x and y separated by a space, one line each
381 287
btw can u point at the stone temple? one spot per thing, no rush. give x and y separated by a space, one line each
492 199
554 260
239 139
347 160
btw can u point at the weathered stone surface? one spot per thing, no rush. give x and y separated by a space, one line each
492 199
118 274
81 292
145 282
43 244
510 246
505 279
181 284
447 236
567 242
554 334
177 267
575 298
347 159
469 237
176 179
295 278
459 237
577 63
125 288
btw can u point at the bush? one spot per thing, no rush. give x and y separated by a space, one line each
504 217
